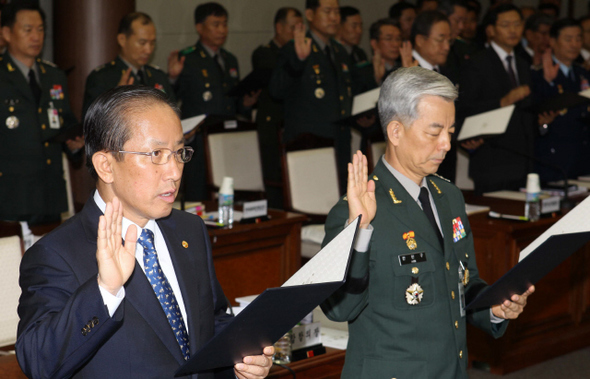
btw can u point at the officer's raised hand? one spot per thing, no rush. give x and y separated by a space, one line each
302 43
126 78
360 191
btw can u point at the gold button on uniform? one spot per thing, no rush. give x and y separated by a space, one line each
466 255
461 354
46 144
267 118
415 270
456 324
448 267
40 110
453 295
0 174
43 127
341 98
343 112
49 161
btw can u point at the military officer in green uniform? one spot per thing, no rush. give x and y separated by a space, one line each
314 79
350 33
208 73
270 110
34 108
413 268
137 40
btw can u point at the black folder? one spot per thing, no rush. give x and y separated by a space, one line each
272 314
564 100
257 79
531 269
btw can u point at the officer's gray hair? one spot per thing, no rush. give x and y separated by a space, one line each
404 88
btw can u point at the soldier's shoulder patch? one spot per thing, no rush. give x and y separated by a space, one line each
441 177
49 63
363 64
100 67
155 67
188 50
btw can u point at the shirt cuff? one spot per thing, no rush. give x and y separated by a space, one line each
495 319
112 301
363 239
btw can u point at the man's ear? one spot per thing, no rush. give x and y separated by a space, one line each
309 15
102 162
5 33
420 40
395 130
121 38
199 28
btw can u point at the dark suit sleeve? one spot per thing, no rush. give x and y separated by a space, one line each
63 321
474 97
346 303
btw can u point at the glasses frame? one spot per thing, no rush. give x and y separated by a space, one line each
151 154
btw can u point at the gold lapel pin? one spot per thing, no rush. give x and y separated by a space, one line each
185 244
375 177
395 200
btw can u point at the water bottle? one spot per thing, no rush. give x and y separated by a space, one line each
283 349
226 201
532 209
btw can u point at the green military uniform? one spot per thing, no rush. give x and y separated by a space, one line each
358 55
269 119
202 89
31 172
388 336
316 95
107 76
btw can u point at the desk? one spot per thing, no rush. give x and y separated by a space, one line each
556 320
252 257
325 366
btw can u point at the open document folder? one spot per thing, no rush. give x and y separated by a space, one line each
539 258
486 124
274 312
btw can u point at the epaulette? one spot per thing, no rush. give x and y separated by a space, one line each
100 67
188 50
537 67
154 66
443 178
363 64
47 63
1 58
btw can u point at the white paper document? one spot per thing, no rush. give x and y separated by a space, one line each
472 209
365 101
575 221
487 123
330 263
190 123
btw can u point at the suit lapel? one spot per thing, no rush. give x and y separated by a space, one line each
45 83
407 212
186 273
17 77
444 215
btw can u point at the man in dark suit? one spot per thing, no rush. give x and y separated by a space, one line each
314 79
350 33
35 108
207 73
413 268
137 41
536 38
565 142
270 114
494 78
93 306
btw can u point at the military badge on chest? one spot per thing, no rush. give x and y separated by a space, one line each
414 293
319 91
410 241
12 122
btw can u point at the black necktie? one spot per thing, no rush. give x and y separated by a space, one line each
427 208
140 78
511 72
34 86
218 64
329 55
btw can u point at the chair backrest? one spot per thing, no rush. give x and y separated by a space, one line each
377 149
234 153
312 180
10 257
462 179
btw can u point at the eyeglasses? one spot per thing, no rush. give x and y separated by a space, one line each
162 156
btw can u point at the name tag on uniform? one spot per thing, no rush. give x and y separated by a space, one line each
53 116
407 259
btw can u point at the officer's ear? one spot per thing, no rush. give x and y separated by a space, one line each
420 40
374 45
309 14
199 28
5 33
102 161
121 39
395 131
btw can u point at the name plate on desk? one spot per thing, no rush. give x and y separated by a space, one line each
550 205
254 209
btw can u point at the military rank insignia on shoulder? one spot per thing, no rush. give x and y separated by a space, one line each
47 63
155 67
101 67
441 177
188 50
